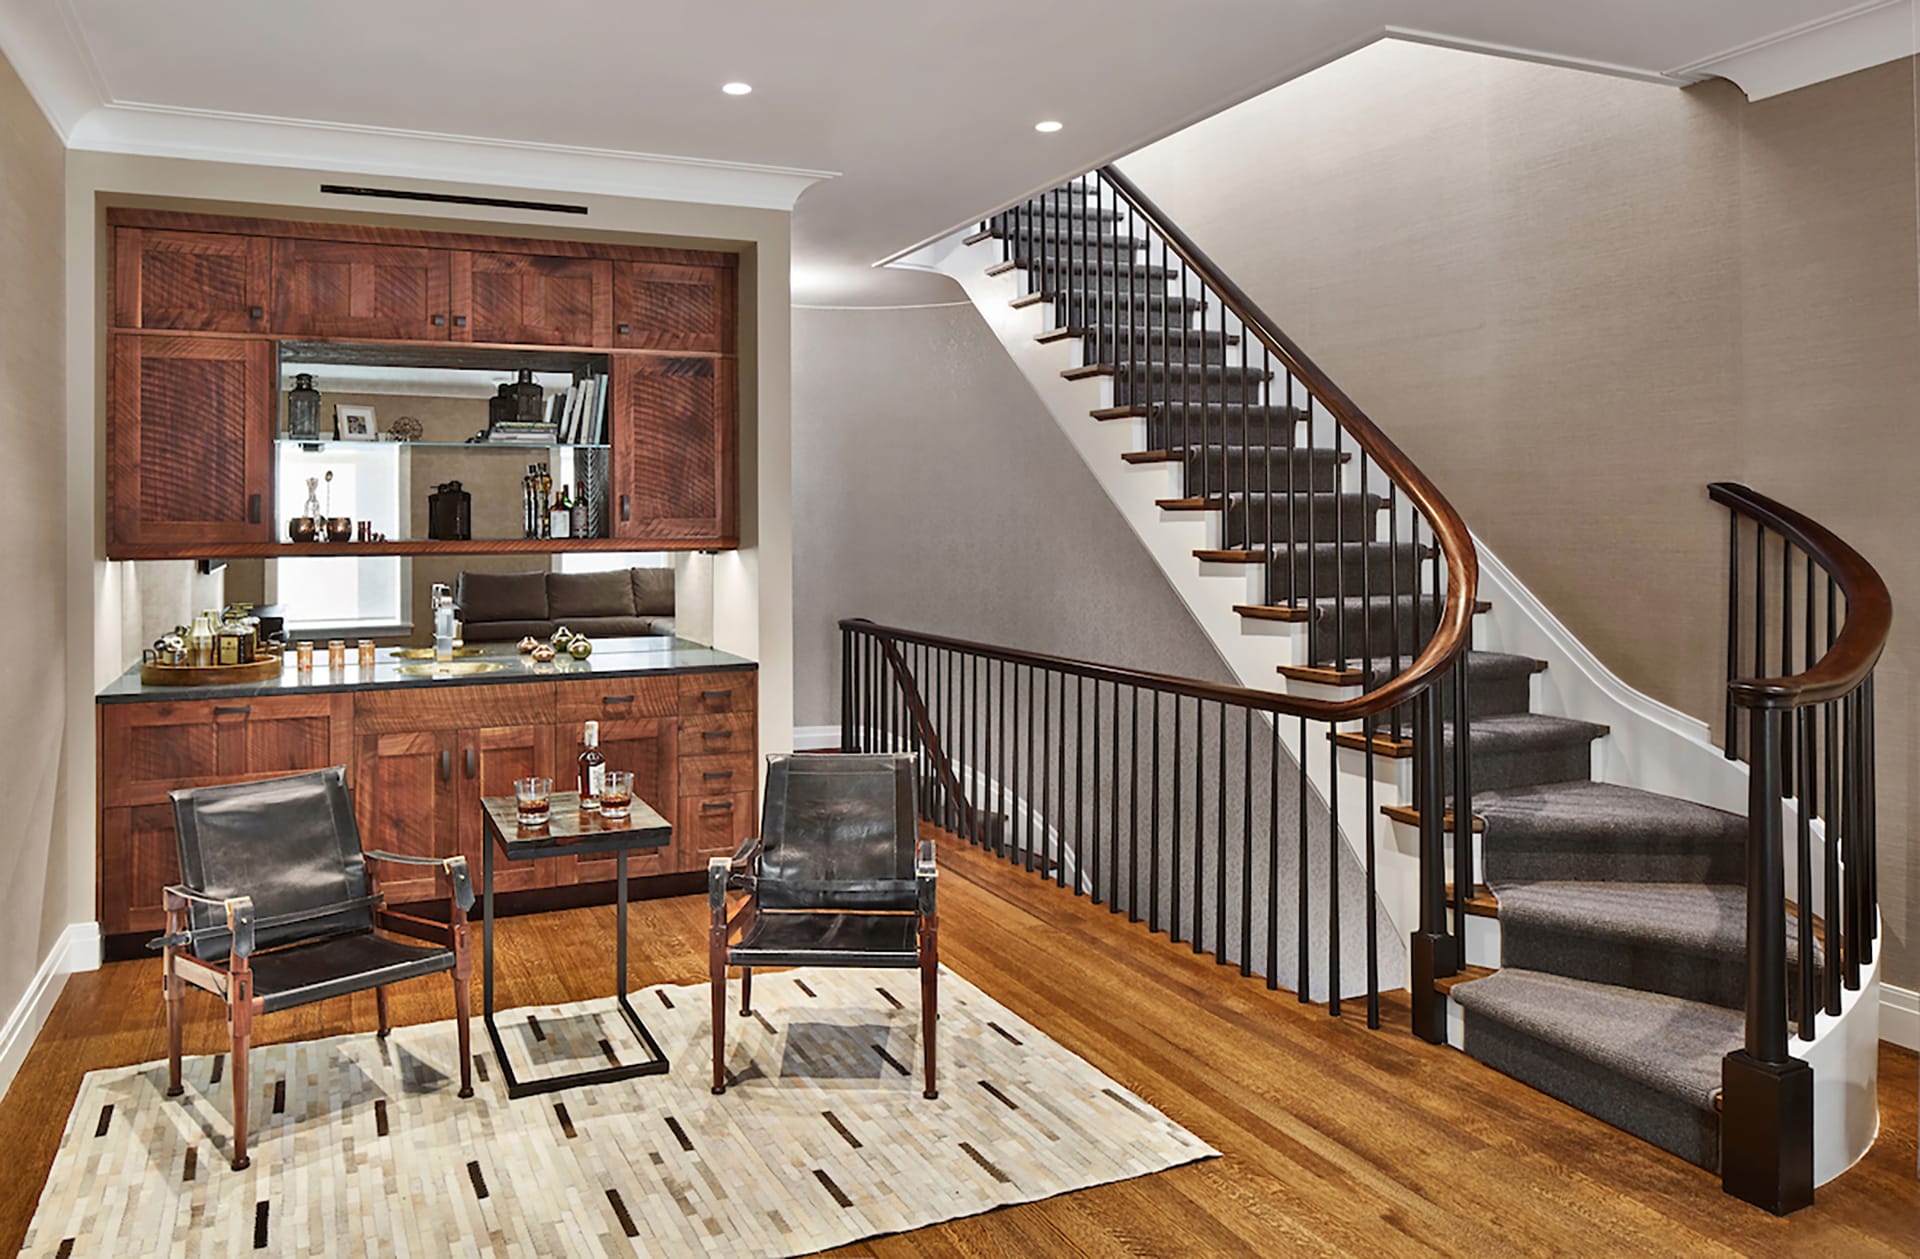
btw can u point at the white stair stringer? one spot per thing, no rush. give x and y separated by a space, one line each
1252 649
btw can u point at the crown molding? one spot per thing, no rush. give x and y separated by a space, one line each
256 140
1859 38
46 48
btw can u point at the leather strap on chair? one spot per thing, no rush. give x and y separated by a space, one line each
190 937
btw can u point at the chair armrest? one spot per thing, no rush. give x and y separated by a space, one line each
717 870
455 868
926 875
745 855
239 911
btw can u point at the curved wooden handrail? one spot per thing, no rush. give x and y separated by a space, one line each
1454 632
1856 649
1173 684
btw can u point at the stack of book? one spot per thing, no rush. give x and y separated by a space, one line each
579 415
508 433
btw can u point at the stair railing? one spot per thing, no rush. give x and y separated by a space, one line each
1808 737
1295 469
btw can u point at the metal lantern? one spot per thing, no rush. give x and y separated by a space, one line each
303 409
518 402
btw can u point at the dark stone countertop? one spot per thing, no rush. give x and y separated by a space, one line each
611 658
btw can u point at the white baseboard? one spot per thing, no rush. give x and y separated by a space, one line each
77 949
1900 1016
813 738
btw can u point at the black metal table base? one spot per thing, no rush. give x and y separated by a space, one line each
656 1062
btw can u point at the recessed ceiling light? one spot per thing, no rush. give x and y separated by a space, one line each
736 89
1047 126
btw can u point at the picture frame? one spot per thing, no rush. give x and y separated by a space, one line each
353 424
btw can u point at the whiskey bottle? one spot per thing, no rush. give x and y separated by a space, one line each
561 517
579 529
593 770
544 492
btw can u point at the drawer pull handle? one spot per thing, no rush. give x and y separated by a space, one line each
473 763
446 766
616 699
713 695
253 509
716 734
439 321
459 321
717 806
233 710
624 514
718 773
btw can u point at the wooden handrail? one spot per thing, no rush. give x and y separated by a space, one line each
1850 660
1453 634
923 725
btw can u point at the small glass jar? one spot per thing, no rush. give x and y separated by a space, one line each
303 655
366 654
336 653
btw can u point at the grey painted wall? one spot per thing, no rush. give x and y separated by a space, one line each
933 491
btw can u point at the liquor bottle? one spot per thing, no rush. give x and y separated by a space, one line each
544 492
579 529
527 529
560 519
593 770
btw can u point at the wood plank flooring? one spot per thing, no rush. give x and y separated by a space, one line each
1336 1140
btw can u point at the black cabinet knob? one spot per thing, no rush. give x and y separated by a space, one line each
253 509
459 321
256 312
625 328
439 321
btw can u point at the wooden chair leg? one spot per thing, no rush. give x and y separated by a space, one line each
172 987
240 1018
717 981
462 998
380 1005
746 991
929 1006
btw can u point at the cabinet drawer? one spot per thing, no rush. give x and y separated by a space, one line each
613 699
714 733
453 707
717 692
717 775
711 828
149 749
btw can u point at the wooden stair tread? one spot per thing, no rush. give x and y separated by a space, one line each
1383 745
1467 975
1481 902
1030 299
1323 675
1188 504
1411 816
984 234
1001 268
1086 371
1258 612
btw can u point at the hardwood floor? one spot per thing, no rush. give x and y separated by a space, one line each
1335 1139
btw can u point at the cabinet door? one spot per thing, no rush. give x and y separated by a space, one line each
149 749
327 288
404 800
138 857
189 441
674 458
672 306
645 746
528 299
491 758
196 281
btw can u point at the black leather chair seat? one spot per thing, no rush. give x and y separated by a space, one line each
334 967
829 939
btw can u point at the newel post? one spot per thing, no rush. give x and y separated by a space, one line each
1766 1113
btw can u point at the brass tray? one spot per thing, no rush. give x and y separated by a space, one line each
265 669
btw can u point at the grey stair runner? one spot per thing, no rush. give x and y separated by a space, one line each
1622 912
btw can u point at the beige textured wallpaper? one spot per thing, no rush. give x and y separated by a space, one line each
32 366
1576 300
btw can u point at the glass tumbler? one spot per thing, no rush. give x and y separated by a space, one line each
303 656
616 796
535 799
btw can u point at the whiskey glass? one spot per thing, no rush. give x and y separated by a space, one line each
534 796
616 796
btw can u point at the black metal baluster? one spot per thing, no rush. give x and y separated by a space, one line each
1803 889
1333 873
1197 918
1246 842
1113 802
1731 734
1173 885
1153 838
1093 865
1039 813
1786 660
1301 959
1393 588
1293 509
1059 829
1373 925
1273 855
1462 804
1079 781
1220 850
1830 936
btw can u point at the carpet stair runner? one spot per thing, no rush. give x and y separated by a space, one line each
1622 913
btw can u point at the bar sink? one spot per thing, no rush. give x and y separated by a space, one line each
451 668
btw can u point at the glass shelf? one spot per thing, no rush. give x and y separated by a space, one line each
363 445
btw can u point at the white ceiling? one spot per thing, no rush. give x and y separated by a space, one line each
922 113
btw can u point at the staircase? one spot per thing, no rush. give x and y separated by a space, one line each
1591 936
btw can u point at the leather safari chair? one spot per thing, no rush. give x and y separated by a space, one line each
277 908
837 877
